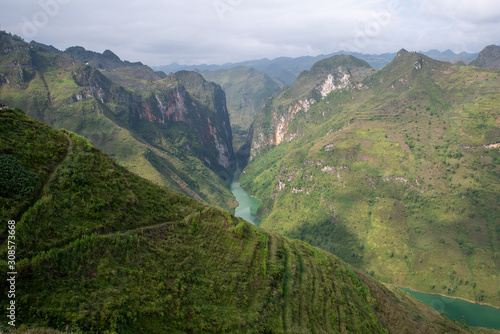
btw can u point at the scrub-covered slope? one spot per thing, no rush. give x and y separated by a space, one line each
103 250
397 172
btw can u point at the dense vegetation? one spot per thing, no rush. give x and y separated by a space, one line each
398 178
103 250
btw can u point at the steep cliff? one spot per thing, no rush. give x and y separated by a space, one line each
246 89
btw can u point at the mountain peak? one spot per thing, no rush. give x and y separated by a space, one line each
111 55
402 52
488 57
336 61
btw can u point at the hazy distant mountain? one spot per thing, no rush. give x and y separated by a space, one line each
287 69
489 57
450 56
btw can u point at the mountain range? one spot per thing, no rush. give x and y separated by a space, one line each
287 69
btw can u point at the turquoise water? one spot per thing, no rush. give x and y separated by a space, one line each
474 314
248 205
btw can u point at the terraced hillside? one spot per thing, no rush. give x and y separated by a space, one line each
99 249
395 171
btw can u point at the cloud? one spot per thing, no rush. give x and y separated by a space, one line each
476 12
218 31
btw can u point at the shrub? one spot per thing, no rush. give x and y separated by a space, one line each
15 179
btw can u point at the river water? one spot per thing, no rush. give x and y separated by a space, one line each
248 205
474 314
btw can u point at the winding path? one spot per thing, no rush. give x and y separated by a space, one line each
40 193
57 167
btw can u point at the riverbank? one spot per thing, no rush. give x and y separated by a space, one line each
460 309
442 295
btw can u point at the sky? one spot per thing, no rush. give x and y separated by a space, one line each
162 32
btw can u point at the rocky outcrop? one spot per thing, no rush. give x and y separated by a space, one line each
202 110
272 125
282 121
332 83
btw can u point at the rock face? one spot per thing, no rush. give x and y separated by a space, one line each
330 83
489 57
272 125
191 103
184 97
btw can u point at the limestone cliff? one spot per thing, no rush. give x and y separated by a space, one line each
272 125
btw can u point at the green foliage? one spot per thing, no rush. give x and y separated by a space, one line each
105 251
15 179
379 175
29 152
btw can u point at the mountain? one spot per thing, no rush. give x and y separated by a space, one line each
488 57
272 125
245 90
174 130
287 69
450 56
396 171
99 249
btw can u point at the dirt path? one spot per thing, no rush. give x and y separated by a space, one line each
40 193
57 167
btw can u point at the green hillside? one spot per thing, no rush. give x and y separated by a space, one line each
395 172
100 249
173 130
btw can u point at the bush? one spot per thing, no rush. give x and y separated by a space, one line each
15 179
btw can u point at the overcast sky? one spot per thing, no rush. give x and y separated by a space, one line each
161 32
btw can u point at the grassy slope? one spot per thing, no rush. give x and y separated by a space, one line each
103 250
405 189
44 93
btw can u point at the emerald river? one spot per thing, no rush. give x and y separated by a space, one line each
248 204
473 314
